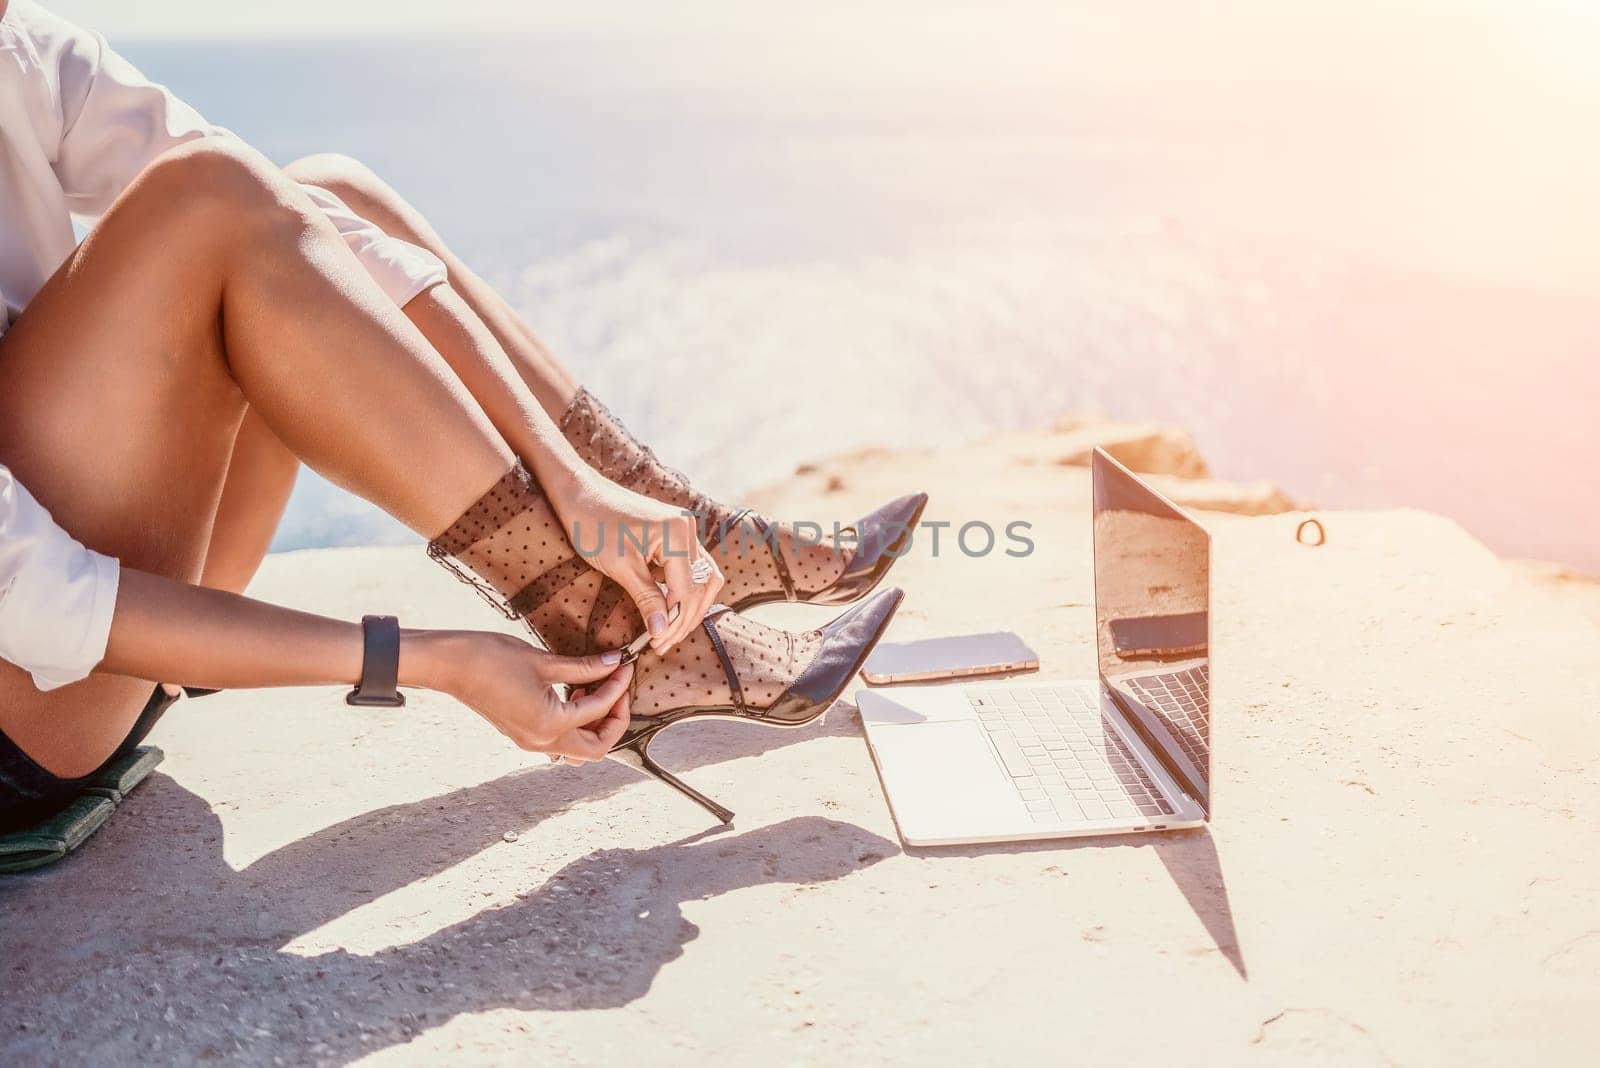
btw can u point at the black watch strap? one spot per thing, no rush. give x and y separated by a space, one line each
380 664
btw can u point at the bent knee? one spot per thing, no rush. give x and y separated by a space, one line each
222 173
344 176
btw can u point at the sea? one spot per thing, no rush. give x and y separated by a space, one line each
1354 255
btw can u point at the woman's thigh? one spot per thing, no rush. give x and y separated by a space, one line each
117 413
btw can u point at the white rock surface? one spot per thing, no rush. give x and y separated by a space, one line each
1404 865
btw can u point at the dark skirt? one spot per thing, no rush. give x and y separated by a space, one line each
28 793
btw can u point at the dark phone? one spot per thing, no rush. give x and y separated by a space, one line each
1160 637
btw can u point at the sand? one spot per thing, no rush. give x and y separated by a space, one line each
1403 866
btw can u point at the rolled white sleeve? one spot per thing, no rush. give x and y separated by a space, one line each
114 121
400 268
56 597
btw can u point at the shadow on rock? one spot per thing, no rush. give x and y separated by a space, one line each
192 968
1190 858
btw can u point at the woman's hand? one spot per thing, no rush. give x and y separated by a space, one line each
509 683
627 537
632 539
167 629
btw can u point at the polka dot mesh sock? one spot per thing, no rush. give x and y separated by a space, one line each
814 558
511 548
743 548
766 660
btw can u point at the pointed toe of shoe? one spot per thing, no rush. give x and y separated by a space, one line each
881 536
846 643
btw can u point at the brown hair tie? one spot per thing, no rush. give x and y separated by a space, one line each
1299 532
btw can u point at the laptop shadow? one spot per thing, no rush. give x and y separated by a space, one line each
1190 858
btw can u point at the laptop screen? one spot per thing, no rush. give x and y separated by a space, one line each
1152 595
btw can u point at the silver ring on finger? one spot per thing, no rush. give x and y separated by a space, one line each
700 571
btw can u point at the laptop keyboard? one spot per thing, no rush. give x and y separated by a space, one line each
1067 763
1181 700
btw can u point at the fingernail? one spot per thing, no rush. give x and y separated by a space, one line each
658 622
612 657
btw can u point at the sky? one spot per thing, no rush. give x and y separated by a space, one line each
201 18
1450 140
1571 20
1488 103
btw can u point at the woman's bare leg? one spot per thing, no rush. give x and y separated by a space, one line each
261 476
748 563
551 383
211 283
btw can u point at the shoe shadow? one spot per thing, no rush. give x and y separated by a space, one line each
396 845
209 939
206 984
1190 858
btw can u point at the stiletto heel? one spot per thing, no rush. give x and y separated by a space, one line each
845 643
635 752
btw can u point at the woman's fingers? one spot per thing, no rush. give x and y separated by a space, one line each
580 669
603 735
636 580
563 758
682 591
693 598
705 593
712 590
593 742
597 703
674 552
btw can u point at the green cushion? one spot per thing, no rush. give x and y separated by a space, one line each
59 834
115 780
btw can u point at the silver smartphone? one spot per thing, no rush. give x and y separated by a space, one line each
960 657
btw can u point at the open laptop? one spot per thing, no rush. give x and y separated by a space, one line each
1127 752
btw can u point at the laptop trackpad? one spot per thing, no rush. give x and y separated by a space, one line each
944 781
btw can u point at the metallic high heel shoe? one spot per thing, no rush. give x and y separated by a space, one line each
845 645
880 536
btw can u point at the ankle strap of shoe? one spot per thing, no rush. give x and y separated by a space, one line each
710 625
764 530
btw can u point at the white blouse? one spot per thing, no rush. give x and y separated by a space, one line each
77 124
